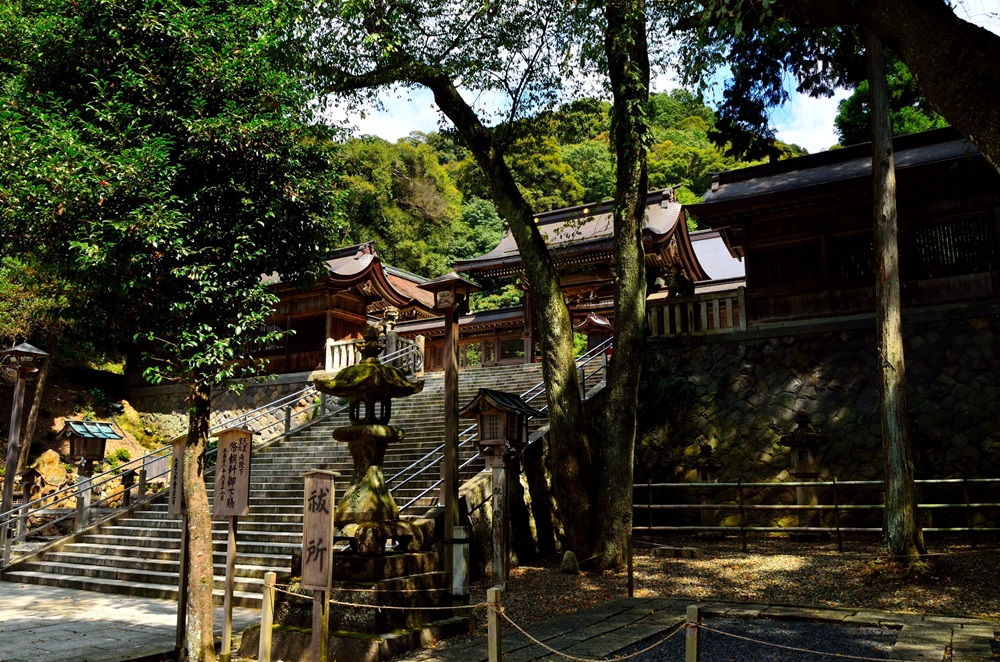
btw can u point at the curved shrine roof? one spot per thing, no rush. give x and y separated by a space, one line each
585 234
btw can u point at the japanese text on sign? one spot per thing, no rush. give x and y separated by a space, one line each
317 530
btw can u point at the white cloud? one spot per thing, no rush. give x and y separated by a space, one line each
808 122
404 111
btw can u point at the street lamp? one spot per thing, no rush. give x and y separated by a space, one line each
20 360
451 298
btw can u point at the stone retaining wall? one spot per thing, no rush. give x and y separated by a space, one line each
164 406
740 394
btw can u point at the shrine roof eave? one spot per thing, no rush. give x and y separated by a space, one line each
483 319
736 195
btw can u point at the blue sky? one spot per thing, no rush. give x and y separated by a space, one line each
803 121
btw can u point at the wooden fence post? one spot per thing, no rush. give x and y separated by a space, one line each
266 618
692 635
493 598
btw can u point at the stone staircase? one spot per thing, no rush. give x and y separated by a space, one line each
138 553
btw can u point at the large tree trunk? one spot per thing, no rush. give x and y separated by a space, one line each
571 459
39 398
903 535
200 645
628 63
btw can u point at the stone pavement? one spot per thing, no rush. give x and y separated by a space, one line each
601 631
47 624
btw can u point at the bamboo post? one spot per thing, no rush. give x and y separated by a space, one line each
266 618
692 634
969 516
836 516
227 600
743 516
142 484
493 599
182 598
631 568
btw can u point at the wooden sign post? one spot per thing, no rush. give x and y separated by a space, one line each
232 501
317 552
177 506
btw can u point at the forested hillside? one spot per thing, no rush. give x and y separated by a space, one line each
424 203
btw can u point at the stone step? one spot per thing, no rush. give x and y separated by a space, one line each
122 587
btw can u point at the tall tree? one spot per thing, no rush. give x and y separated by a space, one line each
179 165
822 57
628 73
908 109
363 45
903 533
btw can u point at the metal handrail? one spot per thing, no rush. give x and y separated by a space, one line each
467 435
18 515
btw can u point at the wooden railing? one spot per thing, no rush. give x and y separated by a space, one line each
703 314
404 353
340 354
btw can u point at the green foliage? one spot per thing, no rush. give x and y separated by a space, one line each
756 53
27 306
167 161
909 111
479 230
492 298
401 198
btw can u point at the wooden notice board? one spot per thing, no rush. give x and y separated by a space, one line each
317 530
177 505
232 473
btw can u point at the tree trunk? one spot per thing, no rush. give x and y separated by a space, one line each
903 535
628 64
571 458
200 644
36 402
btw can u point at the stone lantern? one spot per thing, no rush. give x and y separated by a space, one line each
87 442
804 445
502 421
367 515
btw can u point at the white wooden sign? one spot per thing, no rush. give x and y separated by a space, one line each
176 505
232 473
317 530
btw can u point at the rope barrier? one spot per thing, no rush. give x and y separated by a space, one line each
340 603
842 656
541 644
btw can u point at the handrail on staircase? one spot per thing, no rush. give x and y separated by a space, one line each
599 354
14 523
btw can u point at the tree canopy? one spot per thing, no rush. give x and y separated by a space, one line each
158 156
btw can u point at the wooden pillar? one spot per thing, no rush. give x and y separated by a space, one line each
449 467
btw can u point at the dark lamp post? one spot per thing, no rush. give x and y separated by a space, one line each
502 421
451 298
20 360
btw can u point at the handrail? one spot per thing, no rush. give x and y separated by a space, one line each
600 352
17 517
834 507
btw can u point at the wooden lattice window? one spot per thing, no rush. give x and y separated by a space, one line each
786 267
967 242
851 258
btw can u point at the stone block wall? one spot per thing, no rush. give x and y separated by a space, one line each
740 393
165 407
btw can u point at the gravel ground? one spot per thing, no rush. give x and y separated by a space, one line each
962 581
836 639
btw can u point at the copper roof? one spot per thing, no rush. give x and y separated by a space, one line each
585 234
